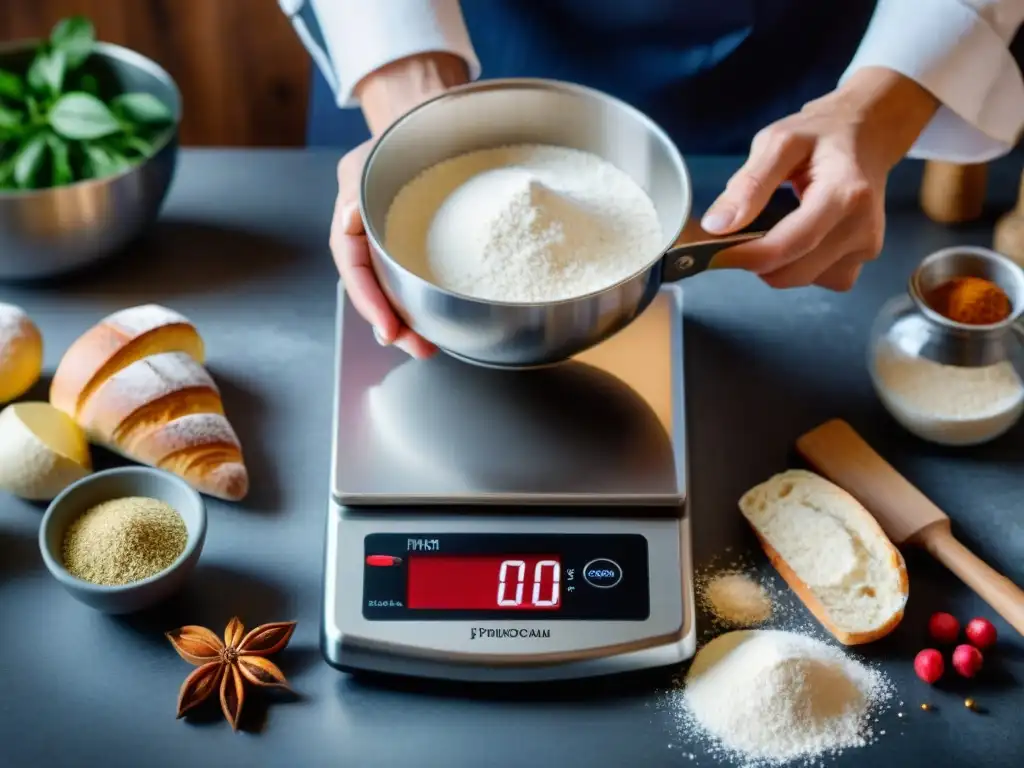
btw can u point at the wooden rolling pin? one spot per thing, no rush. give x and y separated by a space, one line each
906 515
953 194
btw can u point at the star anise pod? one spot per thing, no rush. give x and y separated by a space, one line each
229 663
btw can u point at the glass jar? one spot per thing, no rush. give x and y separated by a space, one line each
948 382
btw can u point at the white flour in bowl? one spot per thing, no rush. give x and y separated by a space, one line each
947 404
524 223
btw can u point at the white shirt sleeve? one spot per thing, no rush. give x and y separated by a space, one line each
959 51
362 36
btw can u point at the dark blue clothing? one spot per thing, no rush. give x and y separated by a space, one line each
710 72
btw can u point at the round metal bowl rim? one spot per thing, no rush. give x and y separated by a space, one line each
914 289
57 569
530 82
127 56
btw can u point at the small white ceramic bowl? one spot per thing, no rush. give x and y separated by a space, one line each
114 484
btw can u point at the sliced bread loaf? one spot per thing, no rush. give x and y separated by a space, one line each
831 552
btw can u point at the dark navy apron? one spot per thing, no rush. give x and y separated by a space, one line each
711 72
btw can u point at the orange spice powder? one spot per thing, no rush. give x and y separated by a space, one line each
971 301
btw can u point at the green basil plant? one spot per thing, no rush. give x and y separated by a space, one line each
57 126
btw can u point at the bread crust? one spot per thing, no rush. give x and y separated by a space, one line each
813 605
136 384
108 346
203 448
21 353
159 379
183 433
806 594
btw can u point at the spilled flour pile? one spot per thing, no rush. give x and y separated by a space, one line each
737 599
733 591
766 697
524 223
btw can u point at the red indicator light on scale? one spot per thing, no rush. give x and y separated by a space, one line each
383 560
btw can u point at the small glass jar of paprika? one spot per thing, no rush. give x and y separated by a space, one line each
947 357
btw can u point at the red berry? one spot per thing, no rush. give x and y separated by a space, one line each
967 660
944 627
981 633
929 666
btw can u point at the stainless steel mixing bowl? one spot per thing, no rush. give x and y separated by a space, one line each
49 232
935 337
500 112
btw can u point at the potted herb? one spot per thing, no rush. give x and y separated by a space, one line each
59 125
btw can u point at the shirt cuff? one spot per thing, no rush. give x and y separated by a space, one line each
362 36
964 60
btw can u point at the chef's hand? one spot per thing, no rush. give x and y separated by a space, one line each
385 95
352 255
837 153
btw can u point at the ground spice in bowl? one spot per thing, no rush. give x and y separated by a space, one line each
971 301
124 540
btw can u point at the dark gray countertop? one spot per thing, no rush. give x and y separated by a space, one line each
242 249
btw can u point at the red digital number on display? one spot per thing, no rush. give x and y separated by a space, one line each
474 583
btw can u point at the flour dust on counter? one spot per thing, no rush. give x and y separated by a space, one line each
735 597
738 600
769 685
761 698
736 591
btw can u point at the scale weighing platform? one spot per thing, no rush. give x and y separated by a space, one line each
490 525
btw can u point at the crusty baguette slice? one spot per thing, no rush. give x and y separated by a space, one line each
116 342
166 411
831 552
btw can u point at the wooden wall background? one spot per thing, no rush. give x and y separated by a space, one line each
243 74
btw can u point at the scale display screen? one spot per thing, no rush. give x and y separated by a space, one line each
499 576
500 582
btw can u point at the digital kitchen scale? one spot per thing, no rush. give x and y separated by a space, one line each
490 525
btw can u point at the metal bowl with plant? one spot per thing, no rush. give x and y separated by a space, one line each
88 148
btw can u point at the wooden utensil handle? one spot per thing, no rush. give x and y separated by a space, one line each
995 589
836 451
906 515
952 193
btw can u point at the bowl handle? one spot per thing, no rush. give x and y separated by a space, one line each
689 259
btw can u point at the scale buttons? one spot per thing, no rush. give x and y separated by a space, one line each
602 573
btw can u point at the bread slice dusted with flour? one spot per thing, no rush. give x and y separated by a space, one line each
116 342
831 552
136 384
